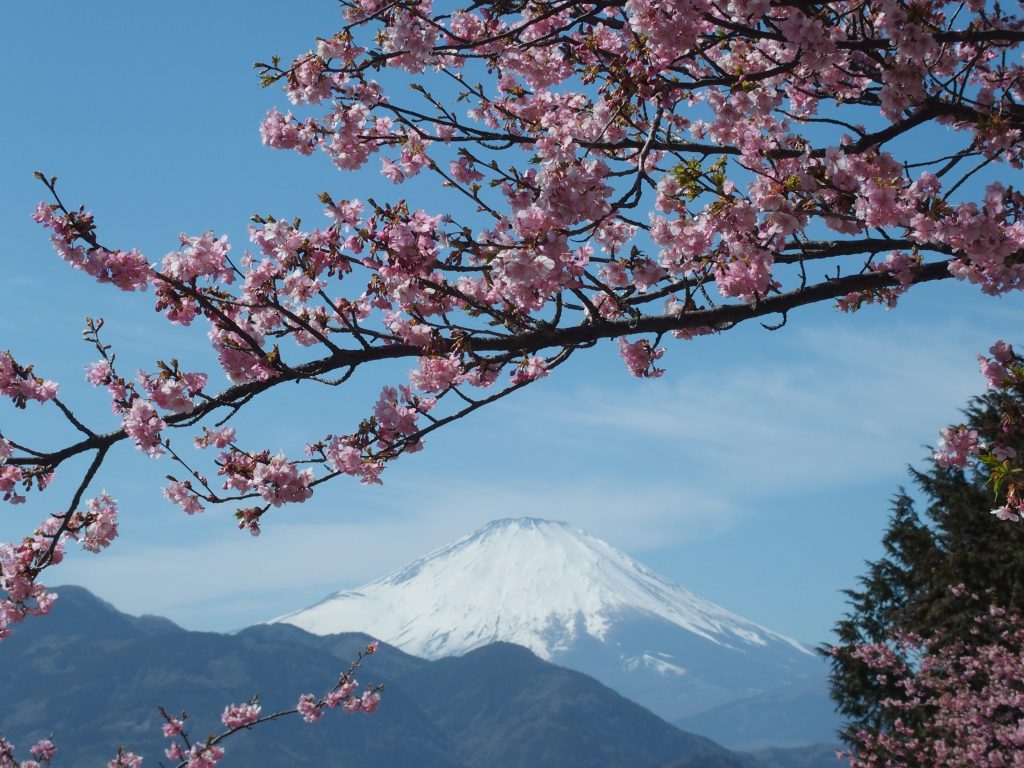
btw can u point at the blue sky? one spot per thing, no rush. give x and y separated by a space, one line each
756 472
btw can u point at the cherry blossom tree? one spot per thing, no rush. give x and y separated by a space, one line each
956 703
637 172
927 665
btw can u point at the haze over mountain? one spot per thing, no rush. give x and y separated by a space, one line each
576 601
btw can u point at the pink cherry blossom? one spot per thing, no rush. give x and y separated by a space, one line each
182 495
219 438
971 693
640 356
285 132
435 374
43 750
346 458
173 393
21 385
204 756
240 715
309 708
1002 352
279 481
143 425
956 446
1005 513
172 727
202 256
125 759
98 373
98 525
369 702
993 371
530 369
175 752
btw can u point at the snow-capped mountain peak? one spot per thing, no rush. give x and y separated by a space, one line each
537 583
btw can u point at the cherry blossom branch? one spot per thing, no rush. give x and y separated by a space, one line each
243 717
188 753
757 137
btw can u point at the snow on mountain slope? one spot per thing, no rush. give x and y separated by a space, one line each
574 600
527 581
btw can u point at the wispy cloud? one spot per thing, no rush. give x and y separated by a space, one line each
229 580
840 408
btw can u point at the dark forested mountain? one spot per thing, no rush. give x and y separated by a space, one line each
502 706
93 677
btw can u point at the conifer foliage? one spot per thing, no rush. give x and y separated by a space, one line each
931 652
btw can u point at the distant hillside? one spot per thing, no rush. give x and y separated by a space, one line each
784 717
814 756
502 706
93 677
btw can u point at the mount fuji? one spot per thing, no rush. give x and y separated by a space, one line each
576 601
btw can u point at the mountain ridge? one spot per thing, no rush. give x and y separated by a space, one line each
576 600
93 677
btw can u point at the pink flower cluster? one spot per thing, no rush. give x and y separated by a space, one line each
218 438
345 457
143 424
237 716
128 270
285 132
181 493
971 697
436 374
122 393
994 369
275 478
21 385
125 759
312 709
204 756
530 369
172 727
956 447
173 393
640 356
43 752
97 526
202 256
959 445
279 481
20 564
396 414
10 474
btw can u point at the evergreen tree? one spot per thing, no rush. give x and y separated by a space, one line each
914 588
